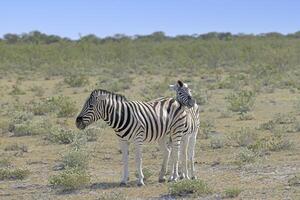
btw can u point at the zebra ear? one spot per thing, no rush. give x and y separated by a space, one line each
180 83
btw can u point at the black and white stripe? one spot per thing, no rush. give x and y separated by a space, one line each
138 122
184 97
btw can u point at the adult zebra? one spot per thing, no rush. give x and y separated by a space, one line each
184 97
137 122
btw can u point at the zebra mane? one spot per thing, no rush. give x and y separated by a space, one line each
101 91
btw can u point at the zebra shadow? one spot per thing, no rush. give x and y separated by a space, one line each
109 185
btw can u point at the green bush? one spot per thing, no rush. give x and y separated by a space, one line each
16 90
76 159
246 155
12 174
267 125
232 192
241 101
33 127
217 142
61 135
62 106
243 137
76 80
5 162
38 90
281 118
206 127
70 179
194 188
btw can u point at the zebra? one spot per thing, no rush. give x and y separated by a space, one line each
184 96
138 122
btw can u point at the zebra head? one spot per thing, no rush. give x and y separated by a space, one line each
91 110
183 94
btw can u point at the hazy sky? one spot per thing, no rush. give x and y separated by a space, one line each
108 17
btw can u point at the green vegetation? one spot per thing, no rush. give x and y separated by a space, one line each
245 156
76 159
5 162
206 127
70 179
241 101
244 137
232 192
217 142
61 135
12 174
45 80
62 106
193 188
75 80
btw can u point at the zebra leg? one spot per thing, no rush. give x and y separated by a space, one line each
124 148
183 157
175 158
191 153
138 160
166 154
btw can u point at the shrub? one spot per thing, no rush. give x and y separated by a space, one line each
217 142
38 90
19 118
91 134
70 179
284 118
267 125
32 127
241 101
189 187
243 137
206 127
245 155
5 162
76 80
246 116
61 135
76 159
232 192
201 96
62 106
12 174
16 90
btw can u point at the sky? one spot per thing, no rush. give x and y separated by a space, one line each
72 18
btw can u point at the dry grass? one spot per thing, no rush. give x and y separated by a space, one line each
268 176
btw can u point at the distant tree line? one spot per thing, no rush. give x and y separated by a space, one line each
36 37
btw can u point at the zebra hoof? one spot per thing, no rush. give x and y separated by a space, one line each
140 184
194 177
162 180
123 184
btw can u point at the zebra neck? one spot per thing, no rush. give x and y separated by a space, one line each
114 113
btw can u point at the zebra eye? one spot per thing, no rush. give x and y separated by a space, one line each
91 106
